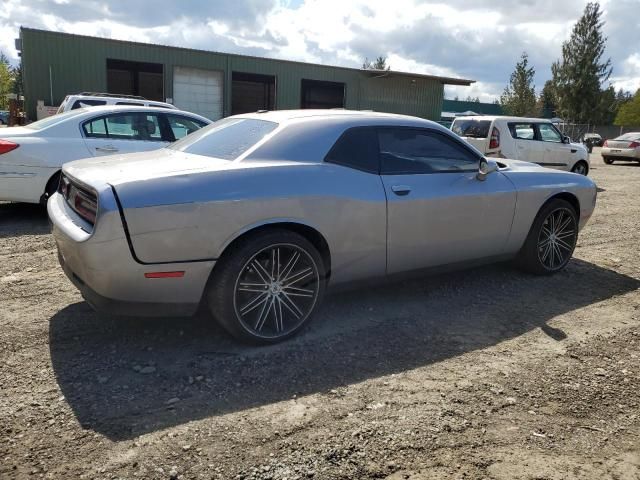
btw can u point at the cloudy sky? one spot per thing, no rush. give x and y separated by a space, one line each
475 39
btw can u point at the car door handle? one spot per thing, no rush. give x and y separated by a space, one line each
401 190
106 149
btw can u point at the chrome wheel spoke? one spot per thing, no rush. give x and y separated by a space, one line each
566 234
556 239
276 290
563 244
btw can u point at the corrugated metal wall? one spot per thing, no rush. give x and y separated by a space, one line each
57 64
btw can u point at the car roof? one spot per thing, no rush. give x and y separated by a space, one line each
360 117
135 108
503 117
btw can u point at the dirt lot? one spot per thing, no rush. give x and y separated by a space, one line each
487 374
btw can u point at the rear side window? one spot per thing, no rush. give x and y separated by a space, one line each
410 151
356 148
86 102
182 126
226 139
471 128
523 131
629 137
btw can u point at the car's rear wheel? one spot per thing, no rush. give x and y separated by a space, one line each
581 168
267 288
50 189
608 161
551 240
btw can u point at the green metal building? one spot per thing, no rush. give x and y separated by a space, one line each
213 84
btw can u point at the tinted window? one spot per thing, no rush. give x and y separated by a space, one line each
356 148
183 126
227 139
523 131
548 133
87 103
130 103
419 151
124 126
471 128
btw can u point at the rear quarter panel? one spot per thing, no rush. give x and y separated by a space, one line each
195 217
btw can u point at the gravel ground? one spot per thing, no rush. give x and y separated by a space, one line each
487 373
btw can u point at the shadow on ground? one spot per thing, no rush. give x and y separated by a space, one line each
358 335
23 219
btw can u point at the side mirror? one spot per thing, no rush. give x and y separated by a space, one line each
486 167
566 139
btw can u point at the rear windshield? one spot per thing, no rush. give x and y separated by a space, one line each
629 137
471 128
52 120
226 139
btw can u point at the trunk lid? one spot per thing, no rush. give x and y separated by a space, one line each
119 169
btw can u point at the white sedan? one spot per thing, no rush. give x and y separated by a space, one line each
31 156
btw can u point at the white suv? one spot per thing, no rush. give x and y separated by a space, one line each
89 99
530 139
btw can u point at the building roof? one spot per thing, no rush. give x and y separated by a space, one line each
458 106
372 73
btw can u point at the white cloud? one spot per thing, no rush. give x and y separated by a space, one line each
476 39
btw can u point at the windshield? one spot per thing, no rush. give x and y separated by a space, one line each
226 139
471 128
629 137
52 120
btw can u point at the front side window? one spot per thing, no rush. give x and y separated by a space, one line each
183 126
522 131
226 139
548 133
356 148
407 151
125 126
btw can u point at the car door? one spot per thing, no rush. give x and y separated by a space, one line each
528 148
124 132
557 154
438 211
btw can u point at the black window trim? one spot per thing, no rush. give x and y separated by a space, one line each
454 138
161 120
344 133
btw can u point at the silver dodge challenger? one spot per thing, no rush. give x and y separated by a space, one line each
256 215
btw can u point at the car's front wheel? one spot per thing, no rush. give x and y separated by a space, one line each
551 240
267 287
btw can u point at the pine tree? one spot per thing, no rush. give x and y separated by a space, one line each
519 97
547 103
578 76
6 81
379 63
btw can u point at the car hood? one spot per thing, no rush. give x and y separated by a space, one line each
134 167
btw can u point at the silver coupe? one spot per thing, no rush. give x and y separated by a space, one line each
257 214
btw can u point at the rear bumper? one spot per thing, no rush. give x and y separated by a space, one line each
620 153
99 263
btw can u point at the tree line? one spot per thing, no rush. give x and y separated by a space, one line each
576 89
10 81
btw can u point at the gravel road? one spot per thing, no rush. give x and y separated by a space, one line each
488 373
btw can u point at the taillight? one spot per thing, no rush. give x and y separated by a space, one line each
605 144
494 142
634 145
86 206
6 146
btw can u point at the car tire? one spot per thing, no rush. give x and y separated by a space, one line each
266 289
581 167
608 161
551 239
50 189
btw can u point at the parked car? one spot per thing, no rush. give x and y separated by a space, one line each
592 138
530 139
257 214
624 148
31 156
90 99
4 117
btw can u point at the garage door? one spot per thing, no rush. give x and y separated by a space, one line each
198 91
